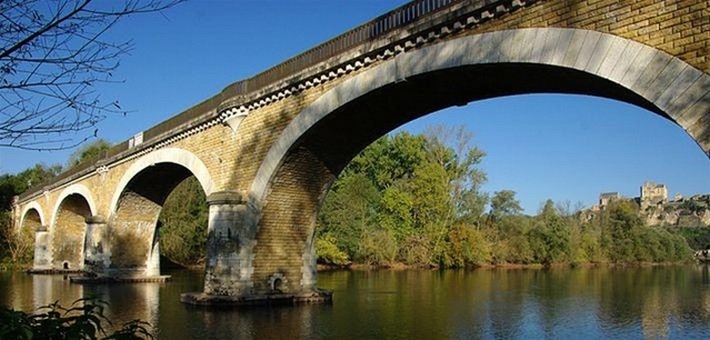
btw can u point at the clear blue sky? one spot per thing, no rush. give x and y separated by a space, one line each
542 146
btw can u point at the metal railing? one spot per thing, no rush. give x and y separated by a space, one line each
376 28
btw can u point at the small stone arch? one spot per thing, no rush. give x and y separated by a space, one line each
74 189
167 155
136 205
30 206
31 231
68 227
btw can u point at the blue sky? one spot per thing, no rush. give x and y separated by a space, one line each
561 147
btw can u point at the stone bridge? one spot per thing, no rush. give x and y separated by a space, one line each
266 149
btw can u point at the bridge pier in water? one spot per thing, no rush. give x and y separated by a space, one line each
42 257
96 255
229 269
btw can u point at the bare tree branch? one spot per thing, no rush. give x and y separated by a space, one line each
52 55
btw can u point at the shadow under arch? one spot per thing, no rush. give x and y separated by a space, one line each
32 233
67 231
27 209
136 206
324 137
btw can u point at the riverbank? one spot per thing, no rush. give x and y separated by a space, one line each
502 266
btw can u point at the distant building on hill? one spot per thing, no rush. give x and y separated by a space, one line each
653 194
607 197
657 210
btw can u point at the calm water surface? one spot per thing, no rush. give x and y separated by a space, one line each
656 302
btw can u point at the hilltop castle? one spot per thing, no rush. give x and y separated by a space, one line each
657 209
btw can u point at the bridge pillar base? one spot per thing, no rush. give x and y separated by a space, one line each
96 254
202 299
43 257
228 269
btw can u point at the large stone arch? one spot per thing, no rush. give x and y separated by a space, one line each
136 205
74 205
303 162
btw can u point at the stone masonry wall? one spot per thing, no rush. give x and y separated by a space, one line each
68 238
288 222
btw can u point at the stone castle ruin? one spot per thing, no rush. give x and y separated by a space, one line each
657 210
653 194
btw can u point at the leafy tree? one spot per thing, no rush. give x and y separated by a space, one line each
550 237
623 220
17 248
698 238
348 211
13 185
88 151
390 159
503 203
183 223
52 55
329 252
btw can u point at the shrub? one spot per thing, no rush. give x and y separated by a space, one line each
83 320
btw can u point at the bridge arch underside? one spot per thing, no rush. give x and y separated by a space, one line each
30 229
293 193
67 249
133 226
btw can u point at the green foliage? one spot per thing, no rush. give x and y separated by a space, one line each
399 198
698 238
349 210
550 237
16 250
329 253
417 200
13 185
466 246
503 203
88 151
84 319
183 223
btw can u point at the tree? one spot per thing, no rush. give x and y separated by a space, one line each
504 203
550 237
450 146
183 223
12 185
17 247
52 55
88 151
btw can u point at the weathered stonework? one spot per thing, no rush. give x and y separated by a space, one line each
229 257
265 151
97 255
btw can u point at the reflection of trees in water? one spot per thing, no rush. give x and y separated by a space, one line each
656 296
557 303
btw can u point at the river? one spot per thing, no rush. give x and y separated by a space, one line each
646 302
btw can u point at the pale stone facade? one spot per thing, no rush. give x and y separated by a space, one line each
653 194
